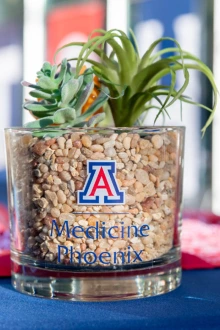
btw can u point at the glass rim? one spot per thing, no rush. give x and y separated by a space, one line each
82 129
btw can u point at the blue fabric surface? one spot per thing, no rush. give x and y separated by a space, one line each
195 305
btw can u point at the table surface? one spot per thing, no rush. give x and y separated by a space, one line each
194 305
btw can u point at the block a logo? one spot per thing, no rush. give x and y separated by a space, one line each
101 187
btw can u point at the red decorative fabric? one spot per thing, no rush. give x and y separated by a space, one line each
200 240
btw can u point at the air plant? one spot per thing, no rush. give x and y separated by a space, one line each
127 83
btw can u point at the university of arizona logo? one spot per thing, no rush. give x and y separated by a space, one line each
101 187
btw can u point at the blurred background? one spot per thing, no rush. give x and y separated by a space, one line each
31 31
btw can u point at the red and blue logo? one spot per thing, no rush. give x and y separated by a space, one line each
101 187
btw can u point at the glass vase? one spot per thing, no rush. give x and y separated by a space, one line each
95 213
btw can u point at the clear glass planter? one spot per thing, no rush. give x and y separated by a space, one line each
95 213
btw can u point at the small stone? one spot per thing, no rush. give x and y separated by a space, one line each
54 146
101 140
149 189
39 148
156 216
121 137
144 144
97 148
110 152
138 187
62 160
69 144
142 176
136 158
104 245
157 141
128 183
54 187
152 178
37 173
130 200
66 208
134 140
118 145
153 158
120 166
51 196
41 202
78 185
119 244
56 180
77 144
55 212
65 176
75 137
37 190
77 154
83 223
67 216
61 197
59 152
49 142
86 141
86 152
109 144
122 155
140 197
97 155
72 186
127 142
61 142
118 208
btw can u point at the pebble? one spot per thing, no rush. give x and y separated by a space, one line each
130 200
51 196
75 137
97 155
97 148
142 176
61 197
122 155
61 142
86 141
83 223
39 148
157 141
69 144
110 152
144 144
119 244
65 176
109 144
66 208
127 142
77 144
55 212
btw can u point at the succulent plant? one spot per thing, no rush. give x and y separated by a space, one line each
129 83
61 97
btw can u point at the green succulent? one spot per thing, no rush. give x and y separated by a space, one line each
60 97
129 83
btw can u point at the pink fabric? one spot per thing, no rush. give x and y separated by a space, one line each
200 240
5 268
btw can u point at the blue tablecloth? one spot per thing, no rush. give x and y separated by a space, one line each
195 305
